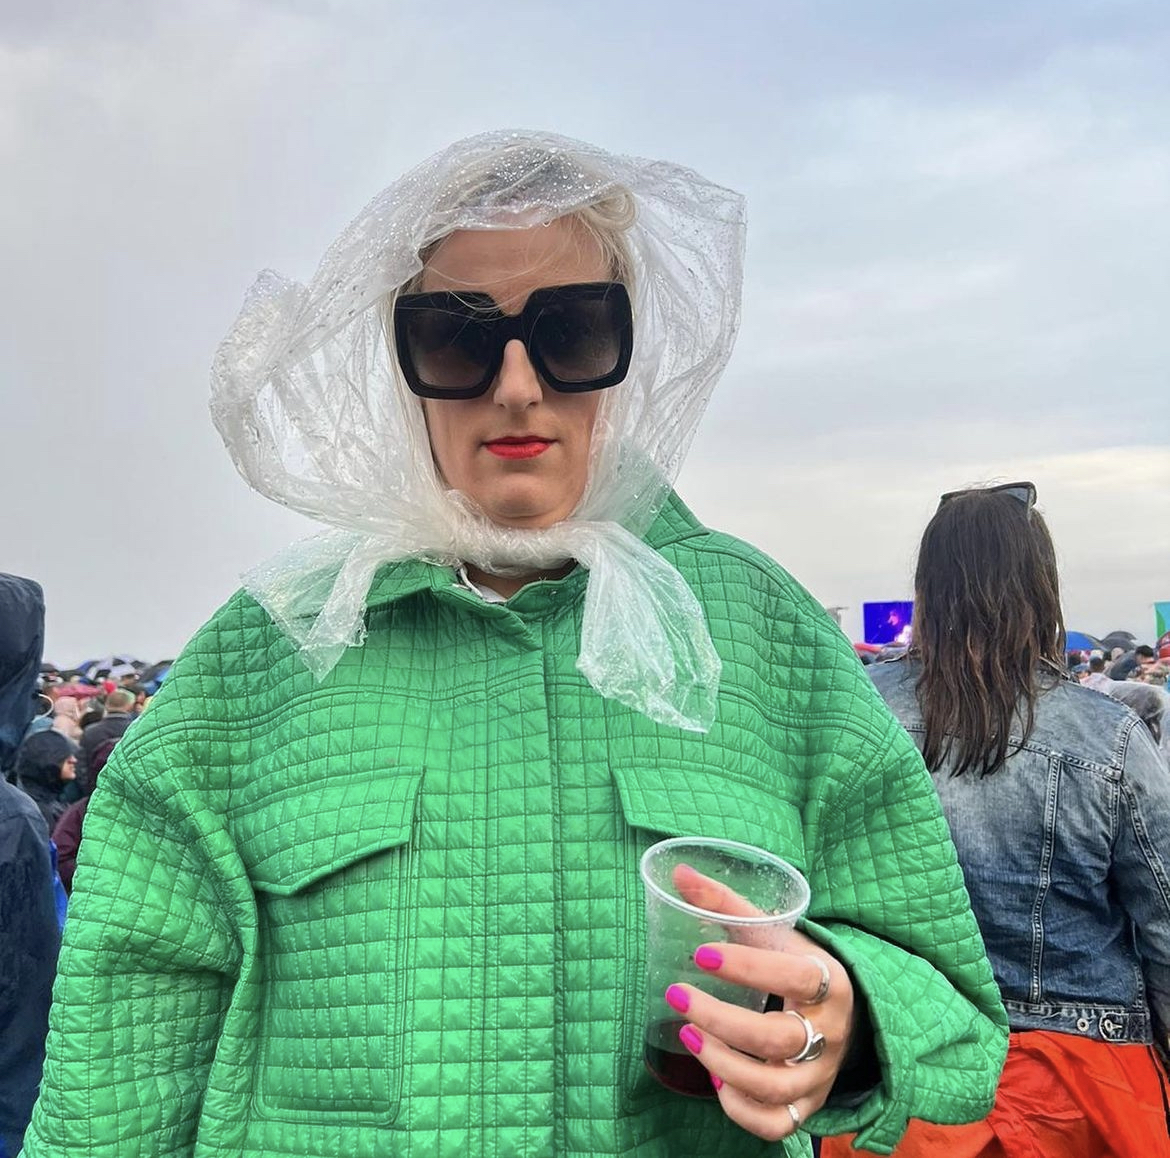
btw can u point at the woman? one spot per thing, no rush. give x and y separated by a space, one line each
46 763
1060 810
396 791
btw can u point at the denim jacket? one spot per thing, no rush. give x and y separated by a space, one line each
1066 854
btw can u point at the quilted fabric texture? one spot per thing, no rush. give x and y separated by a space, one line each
398 912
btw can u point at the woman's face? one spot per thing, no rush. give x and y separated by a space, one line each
69 768
520 451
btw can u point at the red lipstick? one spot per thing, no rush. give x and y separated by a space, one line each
524 446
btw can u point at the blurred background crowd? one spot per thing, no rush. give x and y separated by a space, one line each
1117 665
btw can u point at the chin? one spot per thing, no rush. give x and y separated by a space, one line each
523 519
533 516
524 509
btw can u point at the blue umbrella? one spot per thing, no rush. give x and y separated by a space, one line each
1079 641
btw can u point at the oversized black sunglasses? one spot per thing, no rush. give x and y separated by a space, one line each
578 337
1024 492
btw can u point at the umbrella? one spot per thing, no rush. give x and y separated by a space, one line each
1080 641
150 678
111 667
76 691
1122 639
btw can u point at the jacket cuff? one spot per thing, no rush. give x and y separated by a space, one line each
861 1100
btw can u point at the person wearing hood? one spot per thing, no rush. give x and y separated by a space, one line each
1151 705
29 940
378 836
29 932
22 634
46 763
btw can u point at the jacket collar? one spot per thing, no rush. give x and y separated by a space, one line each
399 580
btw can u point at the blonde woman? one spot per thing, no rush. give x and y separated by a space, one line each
364 879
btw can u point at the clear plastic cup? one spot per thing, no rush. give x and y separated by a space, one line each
767 897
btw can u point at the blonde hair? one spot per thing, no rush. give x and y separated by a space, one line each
607 223
603 222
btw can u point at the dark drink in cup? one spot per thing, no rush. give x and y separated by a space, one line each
673 1064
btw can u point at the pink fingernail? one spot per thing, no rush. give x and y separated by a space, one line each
691 1038
676 998
708 958
717 1081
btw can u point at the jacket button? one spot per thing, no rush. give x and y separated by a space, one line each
1082 1024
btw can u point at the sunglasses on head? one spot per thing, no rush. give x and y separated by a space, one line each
1024 492
578 338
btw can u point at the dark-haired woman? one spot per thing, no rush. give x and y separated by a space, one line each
1060 811
46 763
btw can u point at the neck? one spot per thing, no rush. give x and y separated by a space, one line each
508 585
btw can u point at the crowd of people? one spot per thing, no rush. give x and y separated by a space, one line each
361 876
1138 675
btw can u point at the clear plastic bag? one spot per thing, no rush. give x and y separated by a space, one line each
314 412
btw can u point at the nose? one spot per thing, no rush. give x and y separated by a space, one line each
517 385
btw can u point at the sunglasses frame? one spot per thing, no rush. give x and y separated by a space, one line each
506 327
1023 492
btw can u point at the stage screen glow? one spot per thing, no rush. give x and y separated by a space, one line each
887 622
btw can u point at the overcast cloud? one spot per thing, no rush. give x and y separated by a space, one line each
958 264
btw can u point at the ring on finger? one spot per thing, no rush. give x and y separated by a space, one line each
814 1043
795 1113
822 989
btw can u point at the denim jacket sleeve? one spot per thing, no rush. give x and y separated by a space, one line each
1141 861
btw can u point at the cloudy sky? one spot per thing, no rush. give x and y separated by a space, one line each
958 263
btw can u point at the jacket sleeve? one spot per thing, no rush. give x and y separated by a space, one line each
1141 868
889 901
29 938
146 974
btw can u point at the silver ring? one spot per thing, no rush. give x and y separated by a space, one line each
795 1115
822 989
814 1043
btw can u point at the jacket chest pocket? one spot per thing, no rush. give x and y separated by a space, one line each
335 895
659 801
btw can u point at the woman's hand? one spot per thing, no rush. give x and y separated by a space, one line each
753 1057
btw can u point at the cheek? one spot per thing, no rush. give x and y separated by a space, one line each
439 431
587 420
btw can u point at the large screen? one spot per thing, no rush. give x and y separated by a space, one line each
888 623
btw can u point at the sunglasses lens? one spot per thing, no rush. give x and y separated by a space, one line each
450 347
1022 494
579 337
579 340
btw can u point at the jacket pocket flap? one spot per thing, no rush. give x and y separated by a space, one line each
298 836
695 801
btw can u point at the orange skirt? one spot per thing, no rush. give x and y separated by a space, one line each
1060 1096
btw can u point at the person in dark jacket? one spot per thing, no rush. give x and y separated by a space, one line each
22 632
29 939
45 763
1131 661
67 834
119 716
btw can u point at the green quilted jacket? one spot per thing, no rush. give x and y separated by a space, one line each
399 913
